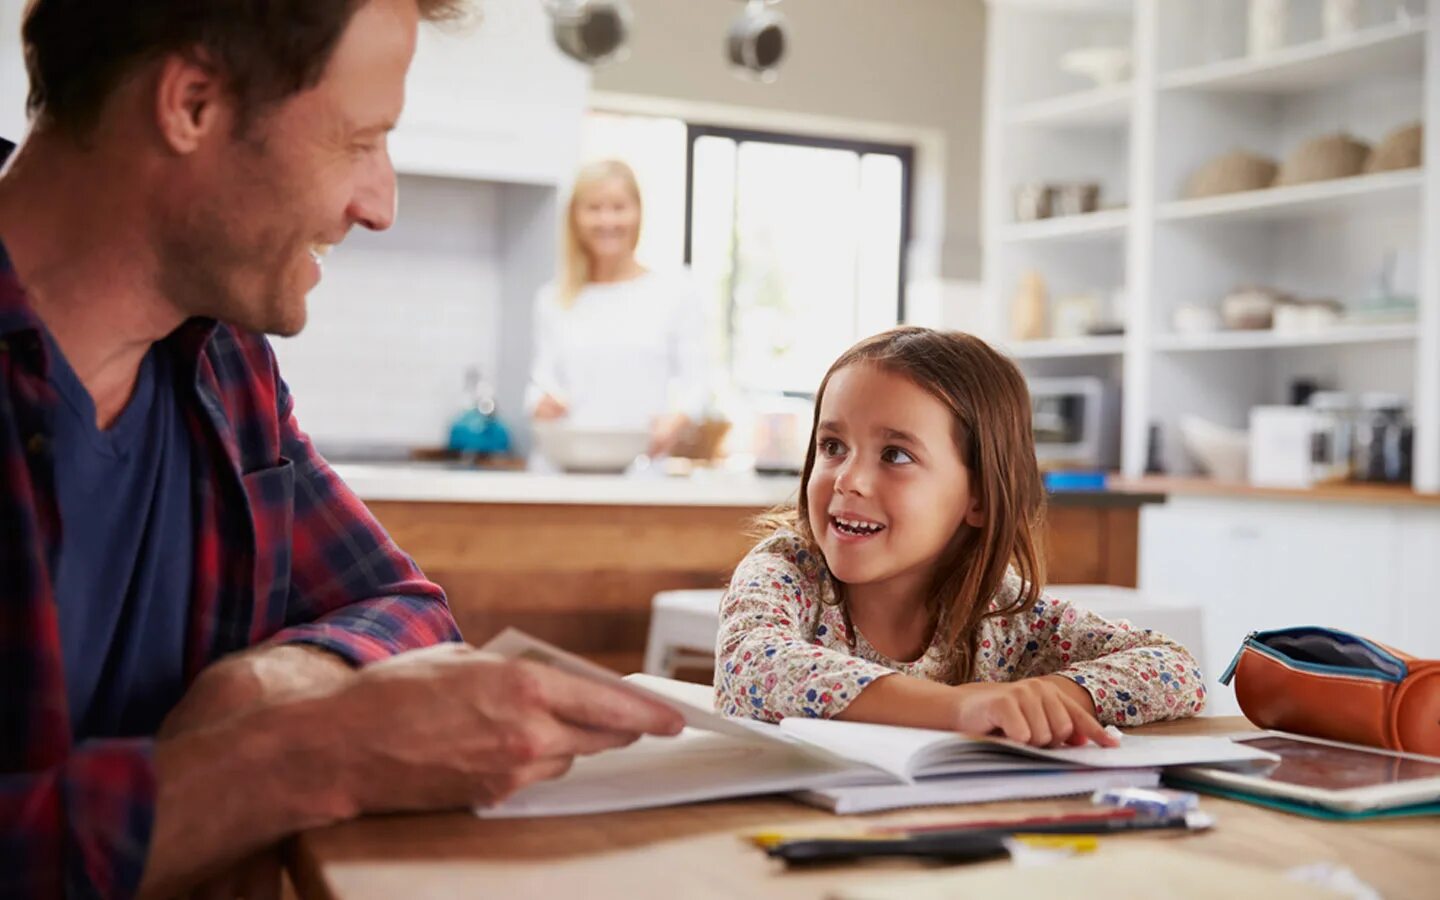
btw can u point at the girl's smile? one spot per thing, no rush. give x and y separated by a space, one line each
888 491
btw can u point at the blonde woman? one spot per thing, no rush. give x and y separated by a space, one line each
616 344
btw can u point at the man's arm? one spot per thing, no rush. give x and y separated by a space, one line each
353 592
442 728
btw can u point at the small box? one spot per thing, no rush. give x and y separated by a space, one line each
1280 446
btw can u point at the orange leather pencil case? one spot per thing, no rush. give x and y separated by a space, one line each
1333 684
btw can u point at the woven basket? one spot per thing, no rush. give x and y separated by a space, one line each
1323 158
1401 149
1232 172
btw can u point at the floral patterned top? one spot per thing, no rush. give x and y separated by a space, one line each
784 648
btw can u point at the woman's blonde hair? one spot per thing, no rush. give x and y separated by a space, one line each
990 405
575 264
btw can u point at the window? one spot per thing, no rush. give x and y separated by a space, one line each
797 243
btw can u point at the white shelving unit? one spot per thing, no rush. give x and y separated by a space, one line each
1355 195
1098 107
1378 51
1108 224
1060 348
1195 93
1270 340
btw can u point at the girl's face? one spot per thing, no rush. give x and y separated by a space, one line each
888 490
607 220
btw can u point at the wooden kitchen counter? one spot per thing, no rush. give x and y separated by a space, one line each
578 566
1356 493
697 851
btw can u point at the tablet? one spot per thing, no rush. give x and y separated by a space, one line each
1343 777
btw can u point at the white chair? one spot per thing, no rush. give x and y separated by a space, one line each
1183 623
684 624
683 627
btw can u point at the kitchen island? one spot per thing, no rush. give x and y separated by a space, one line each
576 559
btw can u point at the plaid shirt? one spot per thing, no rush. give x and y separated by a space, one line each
284 554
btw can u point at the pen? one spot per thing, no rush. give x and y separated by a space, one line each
1021 824
967 844
976 847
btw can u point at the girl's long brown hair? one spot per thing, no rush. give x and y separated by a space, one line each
990 404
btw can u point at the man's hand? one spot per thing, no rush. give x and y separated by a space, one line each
1042 712
453 727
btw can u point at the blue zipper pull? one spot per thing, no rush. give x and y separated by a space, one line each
1230 669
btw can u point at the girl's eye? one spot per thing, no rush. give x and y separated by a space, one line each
831 447
897 456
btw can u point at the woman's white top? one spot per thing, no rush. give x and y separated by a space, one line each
623 353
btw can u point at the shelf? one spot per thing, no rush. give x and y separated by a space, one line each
1347 195
1262 340
1057 348
1106 224
1107 106
1388 50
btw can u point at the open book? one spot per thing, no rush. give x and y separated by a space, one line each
718 757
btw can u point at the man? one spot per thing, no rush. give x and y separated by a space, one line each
197 616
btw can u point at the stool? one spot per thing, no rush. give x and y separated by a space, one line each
682 621
1182 623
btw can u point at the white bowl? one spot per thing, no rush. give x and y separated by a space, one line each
1102 65
586 449
1223 453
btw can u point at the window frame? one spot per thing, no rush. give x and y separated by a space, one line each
906 154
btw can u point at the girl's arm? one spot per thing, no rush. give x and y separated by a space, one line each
768 664
1133 675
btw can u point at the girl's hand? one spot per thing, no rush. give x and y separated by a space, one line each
1042 712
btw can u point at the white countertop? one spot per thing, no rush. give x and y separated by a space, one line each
437 484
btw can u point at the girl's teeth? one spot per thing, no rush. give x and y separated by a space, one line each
855 527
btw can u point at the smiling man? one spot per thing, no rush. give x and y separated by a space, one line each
203 633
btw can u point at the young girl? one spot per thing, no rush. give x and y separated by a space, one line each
905 586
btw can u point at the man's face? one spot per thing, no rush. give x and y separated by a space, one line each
244 239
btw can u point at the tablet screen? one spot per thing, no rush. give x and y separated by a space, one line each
1339 768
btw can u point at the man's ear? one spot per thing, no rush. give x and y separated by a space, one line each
191 102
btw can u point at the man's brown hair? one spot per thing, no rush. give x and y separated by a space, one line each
78 51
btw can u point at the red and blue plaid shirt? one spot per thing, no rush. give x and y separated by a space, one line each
284 554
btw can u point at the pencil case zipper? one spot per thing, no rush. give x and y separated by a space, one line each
1255 641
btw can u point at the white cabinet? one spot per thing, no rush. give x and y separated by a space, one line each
1418 596
494 101
1252 565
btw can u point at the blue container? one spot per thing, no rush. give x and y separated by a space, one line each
1074 481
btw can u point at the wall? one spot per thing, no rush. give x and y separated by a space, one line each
13 83
398 317
908 62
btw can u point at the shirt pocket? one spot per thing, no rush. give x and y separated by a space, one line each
271 495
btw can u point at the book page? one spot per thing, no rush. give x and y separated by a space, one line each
515 644
694 766
910 752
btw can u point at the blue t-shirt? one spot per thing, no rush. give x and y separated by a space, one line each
123 579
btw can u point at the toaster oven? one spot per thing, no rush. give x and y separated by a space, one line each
1076 422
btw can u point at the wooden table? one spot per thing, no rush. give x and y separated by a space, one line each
695 850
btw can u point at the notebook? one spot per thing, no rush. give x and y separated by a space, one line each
978 788
716 757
